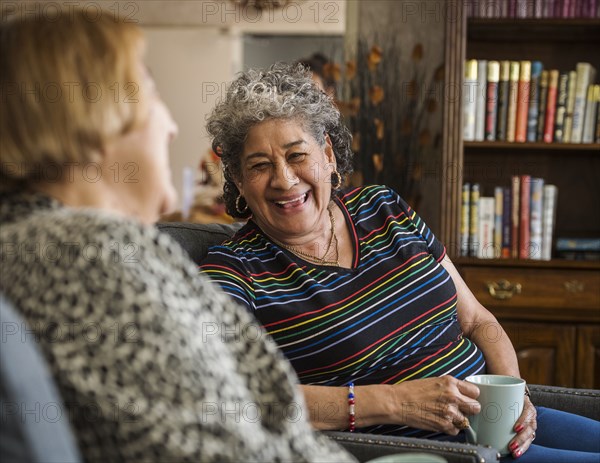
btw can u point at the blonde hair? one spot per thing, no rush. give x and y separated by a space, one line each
68 85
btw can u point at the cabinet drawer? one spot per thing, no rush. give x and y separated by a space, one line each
534 287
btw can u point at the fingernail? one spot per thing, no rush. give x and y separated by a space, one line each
518 453
513 446
519 428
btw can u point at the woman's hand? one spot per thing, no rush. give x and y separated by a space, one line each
525 428
437 404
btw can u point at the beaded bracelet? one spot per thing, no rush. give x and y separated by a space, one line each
351 414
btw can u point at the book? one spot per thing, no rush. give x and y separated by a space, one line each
548 219
513 96
503 90
469 97
551 106
464 219
480 100
491 104
534 100
474 221
589 122
523 101
515 196
570 105
561 106
542 109
598 123
498 214
524 217
506 212
578 244
585 76
486 228
535 223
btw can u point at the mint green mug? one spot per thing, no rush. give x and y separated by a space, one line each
501 399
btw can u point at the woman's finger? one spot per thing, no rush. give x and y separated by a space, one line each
525 428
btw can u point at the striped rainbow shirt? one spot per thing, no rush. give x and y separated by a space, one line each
390 318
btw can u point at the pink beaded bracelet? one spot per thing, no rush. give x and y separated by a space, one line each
351 413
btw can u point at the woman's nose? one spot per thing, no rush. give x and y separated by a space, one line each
284 177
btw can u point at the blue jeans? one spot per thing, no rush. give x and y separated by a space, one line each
560 438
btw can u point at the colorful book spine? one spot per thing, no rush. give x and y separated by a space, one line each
513 96
551 106
534 100
542 110
480 100
561 106
498 211
486 228
464 219
474 221
503 95
506 211
598 123
523 101
570 106
535 225
548 220
524 217
515 195
589 123
585 76
491 105
469 97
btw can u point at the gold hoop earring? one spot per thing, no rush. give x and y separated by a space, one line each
237 205
338 180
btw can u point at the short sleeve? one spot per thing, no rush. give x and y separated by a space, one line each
435 247
225 269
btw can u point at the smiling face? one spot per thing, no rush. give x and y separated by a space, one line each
286 180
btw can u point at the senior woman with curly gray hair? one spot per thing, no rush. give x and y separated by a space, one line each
351 284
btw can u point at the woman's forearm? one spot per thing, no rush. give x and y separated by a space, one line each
328 406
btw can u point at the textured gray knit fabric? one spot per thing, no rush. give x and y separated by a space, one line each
152 361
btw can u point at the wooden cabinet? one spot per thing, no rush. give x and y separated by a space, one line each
588 357
550 310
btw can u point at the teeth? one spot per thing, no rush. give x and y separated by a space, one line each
283 203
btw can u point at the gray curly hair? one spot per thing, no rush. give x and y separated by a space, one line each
284 91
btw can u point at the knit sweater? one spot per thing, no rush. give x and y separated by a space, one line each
153 362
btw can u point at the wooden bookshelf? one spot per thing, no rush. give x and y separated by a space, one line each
554 318
477 146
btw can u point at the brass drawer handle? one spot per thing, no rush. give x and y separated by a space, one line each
574 286
503 289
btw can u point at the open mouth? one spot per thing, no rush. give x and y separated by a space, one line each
291 203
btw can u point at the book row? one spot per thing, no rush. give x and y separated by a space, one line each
520 101
533 8
517 222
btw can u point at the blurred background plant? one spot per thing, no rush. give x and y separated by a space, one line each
388 109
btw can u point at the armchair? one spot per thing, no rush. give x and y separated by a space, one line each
196 238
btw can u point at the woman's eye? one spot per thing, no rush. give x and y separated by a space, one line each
296 157
259 166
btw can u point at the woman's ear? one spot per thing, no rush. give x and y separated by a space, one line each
239 185
329 150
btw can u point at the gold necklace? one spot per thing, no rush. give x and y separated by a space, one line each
314 259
